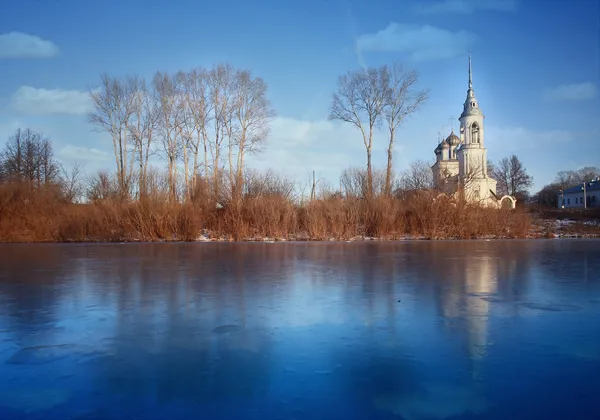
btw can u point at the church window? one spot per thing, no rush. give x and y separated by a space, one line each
474 133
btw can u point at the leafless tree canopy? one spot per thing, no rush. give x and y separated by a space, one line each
512 176
366 98
418 176
28 156
200 122
353 182
566 179
360 99
401 102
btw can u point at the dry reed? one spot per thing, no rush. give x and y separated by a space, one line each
40 215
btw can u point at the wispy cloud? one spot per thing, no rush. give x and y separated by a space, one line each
20 45
574 92
40 101
81 153
422 43
515 139
465 6
297 147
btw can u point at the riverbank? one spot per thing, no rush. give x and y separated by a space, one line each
39 216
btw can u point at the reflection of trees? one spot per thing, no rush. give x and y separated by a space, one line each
32 280
164 301
171 297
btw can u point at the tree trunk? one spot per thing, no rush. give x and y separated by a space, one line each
369 165
388 172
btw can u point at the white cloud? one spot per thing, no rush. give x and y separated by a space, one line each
20 45
574 92
421 42
83 154
512 139
465 6
30 100
297 147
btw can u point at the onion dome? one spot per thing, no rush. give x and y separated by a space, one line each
453 139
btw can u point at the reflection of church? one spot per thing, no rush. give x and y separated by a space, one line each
478 279
461 162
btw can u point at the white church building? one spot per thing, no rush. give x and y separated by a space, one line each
461 161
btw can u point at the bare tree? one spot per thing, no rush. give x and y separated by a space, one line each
113 111
28 156
418 176
491 168
184 123
588 174
220 80
201 107
353 182
167 90
360 99
267 184
568 179
103 186
512 176
253 114
401 102
72 182
145 115
548 196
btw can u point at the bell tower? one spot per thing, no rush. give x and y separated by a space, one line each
472 154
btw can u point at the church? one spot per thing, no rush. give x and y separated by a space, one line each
461 161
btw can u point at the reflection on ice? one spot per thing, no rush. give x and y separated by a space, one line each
30 400
553 307
46 354
435 401
320 331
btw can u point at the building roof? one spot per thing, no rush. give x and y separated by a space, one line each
590 186
453 139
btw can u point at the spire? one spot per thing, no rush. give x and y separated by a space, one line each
470 73
471 106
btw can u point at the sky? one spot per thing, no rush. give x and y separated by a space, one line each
536 70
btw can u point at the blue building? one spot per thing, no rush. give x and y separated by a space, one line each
573 197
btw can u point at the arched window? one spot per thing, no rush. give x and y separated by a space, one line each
475 133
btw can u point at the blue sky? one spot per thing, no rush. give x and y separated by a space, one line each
536 69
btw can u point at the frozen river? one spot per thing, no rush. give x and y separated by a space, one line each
390 330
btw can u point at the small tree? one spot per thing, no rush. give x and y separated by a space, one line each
568 179
548 196
512 176
28 156
418 176
72 182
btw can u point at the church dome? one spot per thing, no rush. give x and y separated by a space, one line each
453 139
445 145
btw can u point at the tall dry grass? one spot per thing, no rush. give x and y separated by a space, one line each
41 215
